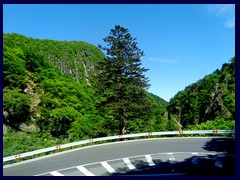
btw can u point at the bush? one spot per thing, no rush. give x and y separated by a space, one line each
218 124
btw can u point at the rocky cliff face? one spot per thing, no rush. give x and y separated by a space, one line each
78 68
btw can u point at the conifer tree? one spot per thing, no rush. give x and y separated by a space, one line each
120 79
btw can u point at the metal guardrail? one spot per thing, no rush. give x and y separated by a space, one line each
17 156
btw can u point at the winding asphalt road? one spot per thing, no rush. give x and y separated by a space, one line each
110 154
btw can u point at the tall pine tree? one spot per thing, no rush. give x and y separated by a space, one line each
121 82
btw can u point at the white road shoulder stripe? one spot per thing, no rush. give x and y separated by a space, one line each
108 167
55 173
149 160
85 171
128 163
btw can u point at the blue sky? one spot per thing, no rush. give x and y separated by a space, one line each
182 43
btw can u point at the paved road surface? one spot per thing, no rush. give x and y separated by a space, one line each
175 156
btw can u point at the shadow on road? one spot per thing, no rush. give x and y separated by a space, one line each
209 165
221 145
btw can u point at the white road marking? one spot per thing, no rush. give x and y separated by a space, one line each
55 173
112 160
108 167
105 144
149 160
172 160
129 164
85 171
195 159
169 153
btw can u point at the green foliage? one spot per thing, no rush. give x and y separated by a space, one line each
156 99
14 71
121 82
20 142
209 98
17 107
33 60
45 74
171 125
218 124
59 120
75 59
55 74
161 124
64 102
85 127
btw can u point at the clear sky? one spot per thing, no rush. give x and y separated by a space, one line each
181 43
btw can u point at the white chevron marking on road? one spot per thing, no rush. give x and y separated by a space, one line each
108 167
55 173
85 171
149 160
128 163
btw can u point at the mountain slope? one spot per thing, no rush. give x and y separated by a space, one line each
209 98
73 58
46 83
47 87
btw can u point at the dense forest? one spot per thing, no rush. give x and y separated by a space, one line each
210 98
64 91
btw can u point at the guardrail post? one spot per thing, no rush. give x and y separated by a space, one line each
17 156
58 147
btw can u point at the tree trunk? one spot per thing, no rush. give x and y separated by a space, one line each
122 122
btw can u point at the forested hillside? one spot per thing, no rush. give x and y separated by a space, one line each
75 59
46 83
209 98
48 90
56 91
